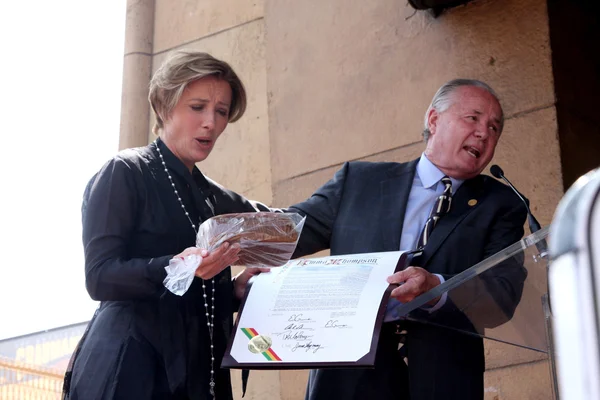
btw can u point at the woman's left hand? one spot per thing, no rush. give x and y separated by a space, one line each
217 260
241 280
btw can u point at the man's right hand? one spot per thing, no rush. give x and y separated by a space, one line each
413 282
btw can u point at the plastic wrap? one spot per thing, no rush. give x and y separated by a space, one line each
180 273
266 239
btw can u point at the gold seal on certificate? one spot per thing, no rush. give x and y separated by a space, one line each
259 343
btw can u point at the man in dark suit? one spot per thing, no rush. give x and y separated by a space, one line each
441 205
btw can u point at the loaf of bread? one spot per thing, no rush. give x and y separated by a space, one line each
266 239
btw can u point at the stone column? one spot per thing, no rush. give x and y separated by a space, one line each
137 69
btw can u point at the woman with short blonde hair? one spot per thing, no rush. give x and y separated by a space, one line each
169 81
141 211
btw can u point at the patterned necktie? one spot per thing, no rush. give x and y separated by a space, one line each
440 208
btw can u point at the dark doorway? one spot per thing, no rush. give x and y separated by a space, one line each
575 43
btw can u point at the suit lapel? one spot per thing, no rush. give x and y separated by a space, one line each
468 197
394 197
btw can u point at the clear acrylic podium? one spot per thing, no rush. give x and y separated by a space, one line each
502 298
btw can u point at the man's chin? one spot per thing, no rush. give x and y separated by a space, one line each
468 173
471 170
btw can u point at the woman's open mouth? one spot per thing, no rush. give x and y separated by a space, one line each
204 142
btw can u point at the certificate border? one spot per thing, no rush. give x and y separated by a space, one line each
367 361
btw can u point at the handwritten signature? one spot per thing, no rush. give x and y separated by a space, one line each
299 318
298 336
333 323
297 327
310 346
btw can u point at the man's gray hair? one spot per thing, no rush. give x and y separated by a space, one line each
442 100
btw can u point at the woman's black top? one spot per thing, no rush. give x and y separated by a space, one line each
133 225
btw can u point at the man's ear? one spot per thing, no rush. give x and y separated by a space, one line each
432 118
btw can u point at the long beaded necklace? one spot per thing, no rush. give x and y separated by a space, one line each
210 319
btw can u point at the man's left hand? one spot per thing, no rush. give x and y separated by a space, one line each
413 281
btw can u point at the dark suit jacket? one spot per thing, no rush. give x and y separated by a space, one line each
362 210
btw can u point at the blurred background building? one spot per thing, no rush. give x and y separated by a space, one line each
32 366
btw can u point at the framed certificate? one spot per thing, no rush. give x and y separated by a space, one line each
314 313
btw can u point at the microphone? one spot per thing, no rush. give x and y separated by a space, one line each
534 225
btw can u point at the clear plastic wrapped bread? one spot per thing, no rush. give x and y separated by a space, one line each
266 239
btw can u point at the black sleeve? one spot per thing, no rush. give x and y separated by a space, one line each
109 212
321 211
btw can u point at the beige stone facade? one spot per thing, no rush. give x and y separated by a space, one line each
337 80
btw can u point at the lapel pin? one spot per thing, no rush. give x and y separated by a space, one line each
472 202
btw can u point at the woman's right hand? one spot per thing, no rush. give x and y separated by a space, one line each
215 261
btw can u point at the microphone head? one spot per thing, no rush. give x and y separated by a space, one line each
496 171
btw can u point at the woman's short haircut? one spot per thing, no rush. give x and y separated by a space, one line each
181 69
